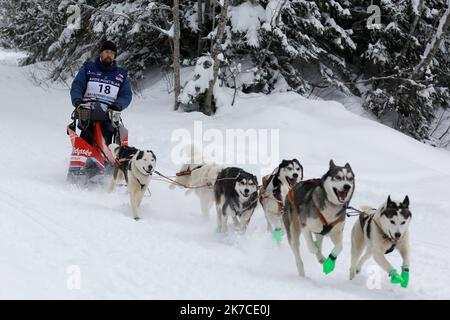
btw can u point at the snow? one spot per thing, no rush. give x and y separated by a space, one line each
330 21
98 27
247 18
415 6
49 229
272 10
203 74
338 7
438 34
377 52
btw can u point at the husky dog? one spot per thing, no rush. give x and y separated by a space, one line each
236 195
136 166
318 206
274 190
199 177
380 231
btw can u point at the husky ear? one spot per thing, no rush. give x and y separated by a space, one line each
140 155
389 199
347 165
406 202
390 203
332 165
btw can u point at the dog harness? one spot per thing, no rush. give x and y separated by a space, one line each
141 185
326 226
369 219
126 176
247 205
265 182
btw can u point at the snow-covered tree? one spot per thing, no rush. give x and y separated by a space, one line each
400 67
387 55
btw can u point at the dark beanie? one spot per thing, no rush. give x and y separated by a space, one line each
108 45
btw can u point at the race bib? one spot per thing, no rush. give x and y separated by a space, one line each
101 90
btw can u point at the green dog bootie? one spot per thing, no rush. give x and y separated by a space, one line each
405 276
329 263
277 234
395 277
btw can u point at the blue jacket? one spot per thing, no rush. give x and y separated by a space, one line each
95 75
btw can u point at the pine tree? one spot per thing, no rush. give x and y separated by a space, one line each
401 73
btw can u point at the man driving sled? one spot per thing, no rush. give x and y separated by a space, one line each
104 81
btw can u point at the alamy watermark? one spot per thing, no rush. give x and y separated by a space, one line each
373 282
73 277
228 147
374 20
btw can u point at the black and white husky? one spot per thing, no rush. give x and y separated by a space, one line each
319 206
274 190
236 196
136 167
379 232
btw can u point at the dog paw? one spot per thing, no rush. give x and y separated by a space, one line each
395 277
329 264
277 235
354 272
405 276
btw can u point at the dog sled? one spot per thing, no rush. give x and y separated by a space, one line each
91 162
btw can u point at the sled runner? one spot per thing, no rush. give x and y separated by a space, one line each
90 162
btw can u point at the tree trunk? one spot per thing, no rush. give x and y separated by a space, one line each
207 13
213 21
274 22
432 48
417 16
215 56
200 24
176 52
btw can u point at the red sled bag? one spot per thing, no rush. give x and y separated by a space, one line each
88 161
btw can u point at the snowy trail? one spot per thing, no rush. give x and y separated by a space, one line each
172 253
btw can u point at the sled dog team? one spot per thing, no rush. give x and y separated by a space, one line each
315 207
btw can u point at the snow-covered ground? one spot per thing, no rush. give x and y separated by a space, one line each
49 230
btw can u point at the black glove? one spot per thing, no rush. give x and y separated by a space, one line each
77 102
114 106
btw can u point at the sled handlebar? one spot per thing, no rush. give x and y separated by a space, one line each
91 110
89 100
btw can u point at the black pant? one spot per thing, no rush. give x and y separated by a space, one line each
88 134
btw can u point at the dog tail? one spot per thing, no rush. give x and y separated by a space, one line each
114 149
